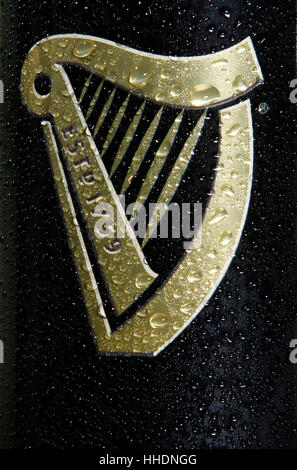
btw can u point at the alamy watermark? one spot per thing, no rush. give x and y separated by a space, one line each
293 354
158 220
148 459
1 352
293 343
1 92
293 94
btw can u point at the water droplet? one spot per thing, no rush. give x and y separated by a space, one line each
226 12
219 167
63 43
212 253
195 276
241 49
219 215
179 118
178 293
83 49
138 333
175 90
142 281
165 74
160 97
227 189
118 280
99 64
226 238
203 94
177 325
139 76
214 269
233 131
187 308
219 63
159 320
239 84
163 149
226 115
243 158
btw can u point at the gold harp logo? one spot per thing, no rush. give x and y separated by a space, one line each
131 310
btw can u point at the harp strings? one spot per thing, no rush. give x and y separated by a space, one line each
130 153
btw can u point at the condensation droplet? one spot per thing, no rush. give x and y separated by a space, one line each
160 97
142 281
226 115
219 63
239 84
177 325
243 158
241 49
226 238
165 74
214 270
233 131
195 276
227 189
118 280
99 64
187 308
83 49
175 90
219 215
220 166
139 76
203 94
178 293
212 253
159 320
63 43
163 150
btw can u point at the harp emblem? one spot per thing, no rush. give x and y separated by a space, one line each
121 122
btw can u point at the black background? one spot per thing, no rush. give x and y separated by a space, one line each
227 380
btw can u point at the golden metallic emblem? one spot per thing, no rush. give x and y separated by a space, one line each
179 82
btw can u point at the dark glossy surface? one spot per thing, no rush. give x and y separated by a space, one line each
227 380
